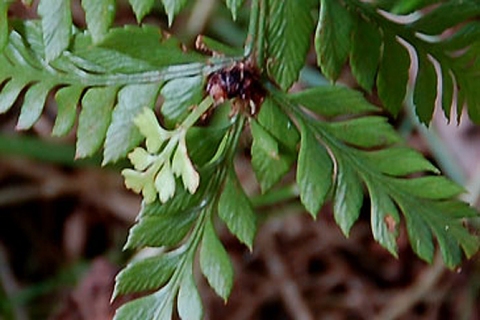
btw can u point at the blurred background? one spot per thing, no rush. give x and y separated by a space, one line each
64 222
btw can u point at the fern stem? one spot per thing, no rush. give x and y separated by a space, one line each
197 113
276 196
208 210
252 28
255 42
261 41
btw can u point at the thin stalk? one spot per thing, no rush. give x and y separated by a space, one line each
255 43
260 41
286 193
238 128
197 112
252 28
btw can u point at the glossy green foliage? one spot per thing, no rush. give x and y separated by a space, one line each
288 38
314 165
274 145
183 226
334 26
99 15
379 45
56 26
384 173
111 82
235 210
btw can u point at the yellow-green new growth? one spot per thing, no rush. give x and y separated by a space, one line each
165 157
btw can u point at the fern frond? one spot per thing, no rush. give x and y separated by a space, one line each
56 19
99 15
374 41
111 82
56 26
375 160
184 227
288 32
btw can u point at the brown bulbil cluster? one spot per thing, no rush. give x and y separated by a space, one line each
239 82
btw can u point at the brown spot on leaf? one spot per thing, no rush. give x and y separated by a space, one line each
390 222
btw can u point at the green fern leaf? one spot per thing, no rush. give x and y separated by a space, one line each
437 218
278 124
400 161
99 15
67 100
122 135
146 274
158 306
33 104
334 26
447 92
314 172
425 89
466 36
141 8
10 91
235 210
456 54
393 76
365 53
366 132
425 202
433 187
202 143
129 43
419 232
446 16
336 101
110 76
185 223
100 75
269 162
172 7
97 106
215 264
164 230
56 25
189 303
180 94
288 36
348 198
183 202
234 6
274 145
